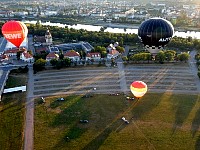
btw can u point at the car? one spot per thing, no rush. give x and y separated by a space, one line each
114 94
83 121
130 98
43 99
87 96
60 99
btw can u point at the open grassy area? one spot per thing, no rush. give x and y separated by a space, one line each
157 121
16 80
12 109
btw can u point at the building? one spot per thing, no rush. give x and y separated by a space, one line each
45 40
48 38
25 56
11 52
95 56
79 46
4 57
72 55
51 56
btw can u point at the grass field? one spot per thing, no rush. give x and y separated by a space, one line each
12 115
157 121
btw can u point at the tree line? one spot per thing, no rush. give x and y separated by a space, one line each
161 57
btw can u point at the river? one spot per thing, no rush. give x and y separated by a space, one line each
193 34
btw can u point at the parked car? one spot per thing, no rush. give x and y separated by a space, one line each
60 99
83 121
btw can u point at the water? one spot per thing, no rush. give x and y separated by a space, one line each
192 34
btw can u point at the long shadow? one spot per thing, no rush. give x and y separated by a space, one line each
195 123
183 108
77 129
74 133
99 140
197 145
71 114
146 106
70 117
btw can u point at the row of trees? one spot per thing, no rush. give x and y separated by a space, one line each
162 56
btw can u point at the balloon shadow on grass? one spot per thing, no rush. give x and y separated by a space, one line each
197 145
196 123
69 117
100 139
182 108
144 107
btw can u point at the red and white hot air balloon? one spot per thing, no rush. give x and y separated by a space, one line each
138 88
15 32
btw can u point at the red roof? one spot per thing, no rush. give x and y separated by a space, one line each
27 55
11 51
40 49
14 50
52 55
4 56
71 54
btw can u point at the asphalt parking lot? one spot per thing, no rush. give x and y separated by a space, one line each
176 78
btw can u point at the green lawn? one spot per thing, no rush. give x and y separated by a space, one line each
16 80
157 121
12 108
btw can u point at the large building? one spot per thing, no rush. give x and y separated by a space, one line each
79 46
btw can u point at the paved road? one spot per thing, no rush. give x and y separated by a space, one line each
193 67
29 120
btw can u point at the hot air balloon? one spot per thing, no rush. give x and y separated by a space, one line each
15 32
155 33
138 88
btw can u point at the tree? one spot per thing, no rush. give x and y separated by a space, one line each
183 56
160 57
103 54
59 64
120 49
112 62
66 62
53 62
170 55
39 65
198 74
18 55
125 58
61 55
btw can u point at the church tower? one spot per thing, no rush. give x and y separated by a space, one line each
48 37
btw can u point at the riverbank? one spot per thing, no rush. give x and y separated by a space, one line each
136 26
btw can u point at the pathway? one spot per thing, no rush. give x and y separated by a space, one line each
29 120
193 67
122 77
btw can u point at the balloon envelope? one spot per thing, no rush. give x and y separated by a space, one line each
155 33
138 88
15 32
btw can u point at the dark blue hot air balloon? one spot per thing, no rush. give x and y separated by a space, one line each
155 33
